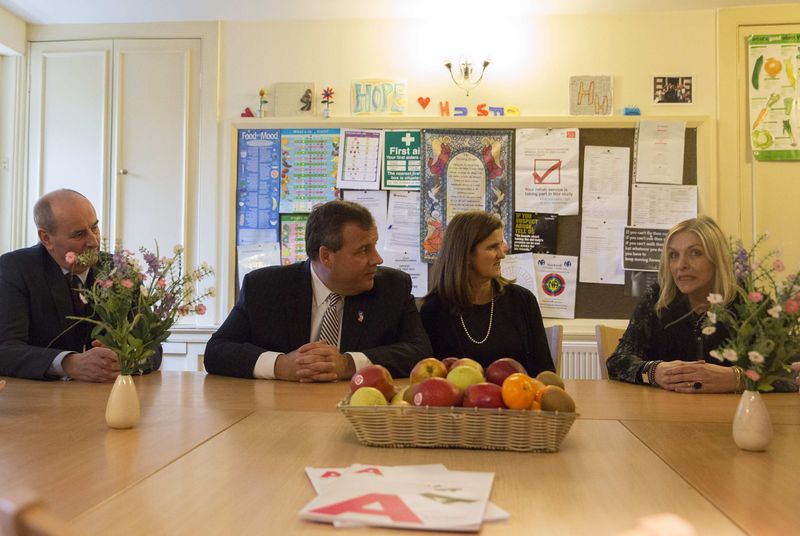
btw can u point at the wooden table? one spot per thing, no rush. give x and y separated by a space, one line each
217 455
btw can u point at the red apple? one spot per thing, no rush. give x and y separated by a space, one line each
470 363
448 362
436 392
483 395
430 367
499 370
373 376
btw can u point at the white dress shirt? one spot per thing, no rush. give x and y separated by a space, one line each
265 366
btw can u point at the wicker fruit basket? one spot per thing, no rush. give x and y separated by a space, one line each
469 428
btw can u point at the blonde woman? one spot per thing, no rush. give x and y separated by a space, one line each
664 345
472 310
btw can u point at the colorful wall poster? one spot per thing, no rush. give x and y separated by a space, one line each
402 164
464 170
378 97
360 154
774 96
535 232
557 277
257 197
309 163
546 172
293 238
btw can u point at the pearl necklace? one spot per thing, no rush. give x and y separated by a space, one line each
488 331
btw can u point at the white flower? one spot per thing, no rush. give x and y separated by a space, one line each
715 299
729 354
775 311
709 330
712 317
755 357
212 291
143 290
716 354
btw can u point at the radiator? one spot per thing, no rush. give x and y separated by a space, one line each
579 361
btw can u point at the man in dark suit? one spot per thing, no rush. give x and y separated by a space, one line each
37 341
323 319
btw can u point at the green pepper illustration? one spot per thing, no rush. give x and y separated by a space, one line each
787 129
757 71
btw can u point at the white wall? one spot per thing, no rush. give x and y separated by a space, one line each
12 33
532 58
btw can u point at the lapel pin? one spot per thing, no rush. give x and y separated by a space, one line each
361 316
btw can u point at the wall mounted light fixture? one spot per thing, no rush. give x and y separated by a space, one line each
463 77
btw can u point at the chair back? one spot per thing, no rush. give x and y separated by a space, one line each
22 514
607 341
555 336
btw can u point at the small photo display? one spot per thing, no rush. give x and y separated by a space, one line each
672 89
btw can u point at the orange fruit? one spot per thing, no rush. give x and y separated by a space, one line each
518 391
539 387
536 405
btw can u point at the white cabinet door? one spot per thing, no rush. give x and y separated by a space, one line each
70 122
156 108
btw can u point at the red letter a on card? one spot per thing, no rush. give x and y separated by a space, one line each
390 506
371 470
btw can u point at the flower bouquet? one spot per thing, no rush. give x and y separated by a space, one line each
763 320
134 308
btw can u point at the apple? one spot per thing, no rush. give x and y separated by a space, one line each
430 367
465 361
483 395
448 362
463 376
399 399
373 376
436 392
367 396
501 369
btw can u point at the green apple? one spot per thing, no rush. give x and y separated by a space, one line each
367 396
399 398
469 363
463 376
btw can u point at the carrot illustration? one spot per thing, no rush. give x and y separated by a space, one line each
772 100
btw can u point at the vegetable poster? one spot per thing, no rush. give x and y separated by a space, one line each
774 117
464 170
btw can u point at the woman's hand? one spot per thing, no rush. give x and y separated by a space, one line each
696 377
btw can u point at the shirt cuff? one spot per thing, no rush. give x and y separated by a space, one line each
56 368
265 366
360 360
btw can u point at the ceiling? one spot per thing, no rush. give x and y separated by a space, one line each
131 11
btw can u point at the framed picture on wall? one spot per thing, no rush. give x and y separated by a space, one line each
294 98
673 89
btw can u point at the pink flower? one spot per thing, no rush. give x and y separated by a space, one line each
70 257
200 309
162 283
753 375
778 266
755 296
183 310
127 283
792 306
107 283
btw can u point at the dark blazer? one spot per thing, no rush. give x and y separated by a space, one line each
273 313
34 305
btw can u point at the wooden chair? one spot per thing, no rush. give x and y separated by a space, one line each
555 336
22 514
607 341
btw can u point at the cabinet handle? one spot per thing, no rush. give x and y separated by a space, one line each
123 171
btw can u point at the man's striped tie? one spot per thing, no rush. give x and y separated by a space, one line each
329 329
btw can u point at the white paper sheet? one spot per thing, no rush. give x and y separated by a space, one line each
546 170
557 282
519 266
360 155
659 156
408 261
601 252
402 221
662 206
254 256
375 201
606 170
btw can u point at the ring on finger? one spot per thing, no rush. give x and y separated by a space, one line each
697 385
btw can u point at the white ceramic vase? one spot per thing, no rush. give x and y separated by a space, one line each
122 410
752 427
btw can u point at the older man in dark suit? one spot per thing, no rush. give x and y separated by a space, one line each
37 293
323 319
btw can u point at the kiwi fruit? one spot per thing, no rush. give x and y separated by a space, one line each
548 377
555 398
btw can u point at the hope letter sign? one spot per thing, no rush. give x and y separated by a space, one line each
378 97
